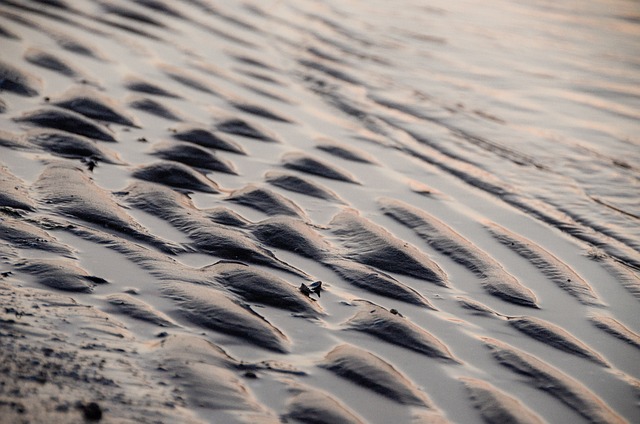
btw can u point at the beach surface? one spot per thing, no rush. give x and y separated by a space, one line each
319 211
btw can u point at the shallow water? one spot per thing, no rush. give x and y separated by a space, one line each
520 114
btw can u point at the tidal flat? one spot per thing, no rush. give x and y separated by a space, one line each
319 211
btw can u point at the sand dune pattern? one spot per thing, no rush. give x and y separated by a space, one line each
245 212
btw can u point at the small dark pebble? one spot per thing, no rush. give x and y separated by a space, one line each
142 140
304 289
18 407
316 287
162 334
91 411
250 374
63 407
91 163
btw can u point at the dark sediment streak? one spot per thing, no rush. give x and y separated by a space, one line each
346 152
50 61
623 274
154 107
143 86
245 129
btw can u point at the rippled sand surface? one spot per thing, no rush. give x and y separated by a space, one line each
319 211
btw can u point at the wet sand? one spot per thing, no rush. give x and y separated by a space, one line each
319 212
